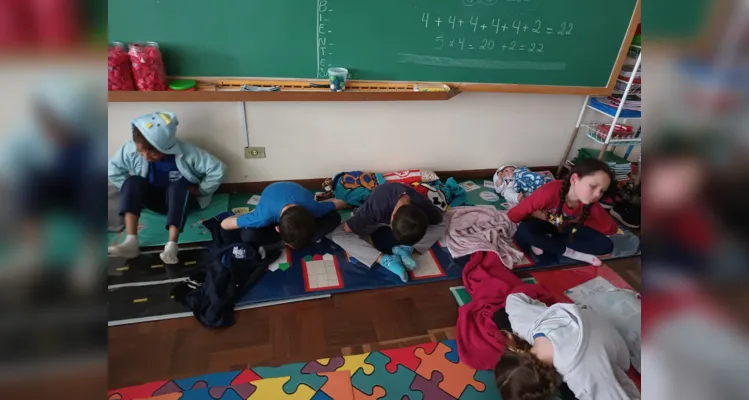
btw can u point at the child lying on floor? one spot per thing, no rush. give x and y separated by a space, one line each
563 217
155 170
574 341
514 184
287 213
399 220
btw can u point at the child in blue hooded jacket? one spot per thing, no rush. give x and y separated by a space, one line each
155 170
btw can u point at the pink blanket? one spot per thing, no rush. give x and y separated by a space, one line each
474 229
480 344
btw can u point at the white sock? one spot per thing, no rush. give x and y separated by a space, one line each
584 257
536 250
169 256
129 248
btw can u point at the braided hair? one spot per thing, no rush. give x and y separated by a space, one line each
519 375
583 168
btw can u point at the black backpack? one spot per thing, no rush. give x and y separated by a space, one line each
212 292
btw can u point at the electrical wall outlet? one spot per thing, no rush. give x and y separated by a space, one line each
254 152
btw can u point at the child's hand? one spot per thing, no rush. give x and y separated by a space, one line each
339 204
521 196
194 189
538 214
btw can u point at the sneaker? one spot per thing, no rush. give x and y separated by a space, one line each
627 213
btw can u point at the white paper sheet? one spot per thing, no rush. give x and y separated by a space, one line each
489 196
579 293
254 200
469 186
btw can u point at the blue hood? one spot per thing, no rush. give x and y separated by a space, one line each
160 129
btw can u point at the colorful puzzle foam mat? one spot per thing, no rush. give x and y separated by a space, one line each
428 371
152 226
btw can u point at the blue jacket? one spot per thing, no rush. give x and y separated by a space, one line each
159 128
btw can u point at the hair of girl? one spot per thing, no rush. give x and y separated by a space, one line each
519 375
583 168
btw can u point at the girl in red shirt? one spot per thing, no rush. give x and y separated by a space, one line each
563 217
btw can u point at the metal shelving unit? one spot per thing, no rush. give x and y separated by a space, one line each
625 88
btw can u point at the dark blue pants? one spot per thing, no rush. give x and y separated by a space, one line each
268 235
545 236
175 200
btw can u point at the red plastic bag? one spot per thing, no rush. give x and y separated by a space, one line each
118 62
148 67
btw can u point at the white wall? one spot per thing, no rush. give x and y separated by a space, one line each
318 139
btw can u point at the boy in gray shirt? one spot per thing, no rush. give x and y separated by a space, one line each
400 220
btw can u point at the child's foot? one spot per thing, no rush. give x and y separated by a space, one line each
536 250
169 255
127 249
404 252
584 257
394 265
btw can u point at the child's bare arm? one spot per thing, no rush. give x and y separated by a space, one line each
230 223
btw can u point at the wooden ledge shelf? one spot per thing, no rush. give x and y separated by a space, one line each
306 95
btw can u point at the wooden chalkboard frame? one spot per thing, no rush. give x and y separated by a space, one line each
584 90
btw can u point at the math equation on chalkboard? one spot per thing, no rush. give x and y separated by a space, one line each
485 34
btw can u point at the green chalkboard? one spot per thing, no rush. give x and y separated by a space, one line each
527 42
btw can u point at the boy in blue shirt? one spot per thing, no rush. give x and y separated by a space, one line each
287 212
157 171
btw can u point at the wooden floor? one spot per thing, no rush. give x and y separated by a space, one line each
349 323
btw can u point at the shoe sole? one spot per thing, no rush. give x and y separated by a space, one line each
620 219
119 254
161 256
